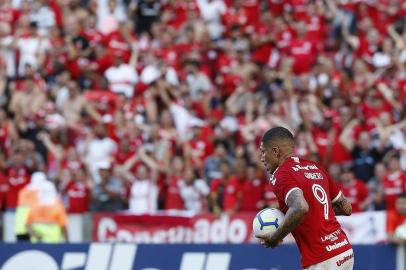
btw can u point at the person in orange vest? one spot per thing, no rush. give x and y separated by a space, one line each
27 197
47 219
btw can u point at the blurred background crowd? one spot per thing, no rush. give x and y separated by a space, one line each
148 105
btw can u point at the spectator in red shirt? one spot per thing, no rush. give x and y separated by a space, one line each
302 50
3 183
355 190
394 183
226 192
173 197
78 191
398 221
18 177
253 190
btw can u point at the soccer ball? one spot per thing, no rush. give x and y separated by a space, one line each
267 221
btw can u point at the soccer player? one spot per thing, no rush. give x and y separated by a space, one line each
310 200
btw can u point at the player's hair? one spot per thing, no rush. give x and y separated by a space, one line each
277 134
402 195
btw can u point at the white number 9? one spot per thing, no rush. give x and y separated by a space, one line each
321 196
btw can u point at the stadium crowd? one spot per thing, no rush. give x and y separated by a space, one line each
148 104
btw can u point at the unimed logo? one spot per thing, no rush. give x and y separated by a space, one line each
103 256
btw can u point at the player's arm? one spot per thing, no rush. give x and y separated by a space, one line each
341 206
297 211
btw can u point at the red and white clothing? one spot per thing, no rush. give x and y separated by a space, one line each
393 185
143 197
3 190
122 79
319 236
28 47
78 196
230 191
173 197
194 195
303 53
18 178
356 192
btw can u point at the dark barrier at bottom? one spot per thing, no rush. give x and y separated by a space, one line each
105 256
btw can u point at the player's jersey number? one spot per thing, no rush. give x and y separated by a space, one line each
321 195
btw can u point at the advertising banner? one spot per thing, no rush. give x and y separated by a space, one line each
361 228
125 256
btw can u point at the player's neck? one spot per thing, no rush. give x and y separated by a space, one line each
285 157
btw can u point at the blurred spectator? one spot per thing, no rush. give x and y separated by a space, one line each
212 163
4 187
194 84
108 193
355 190
364 154
143 197
145 13
78 192
194 192
18 177
399 235
226 192
253 190
98 148
394 182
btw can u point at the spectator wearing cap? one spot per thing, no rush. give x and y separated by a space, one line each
108 194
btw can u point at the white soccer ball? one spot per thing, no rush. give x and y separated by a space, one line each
267 221
400 232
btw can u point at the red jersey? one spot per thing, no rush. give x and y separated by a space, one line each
356 193
18 178
78 195
173 198
319 236
229 192
3 190
393 185
253 194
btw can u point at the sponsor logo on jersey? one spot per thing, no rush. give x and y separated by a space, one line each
337 245
331 237
313 176
346 258
297 168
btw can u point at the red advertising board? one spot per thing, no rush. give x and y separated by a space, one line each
206 228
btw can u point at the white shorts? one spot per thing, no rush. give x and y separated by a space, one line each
343 261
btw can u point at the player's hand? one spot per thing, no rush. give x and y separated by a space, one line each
269 242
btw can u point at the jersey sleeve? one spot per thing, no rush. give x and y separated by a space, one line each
335 191
284 185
